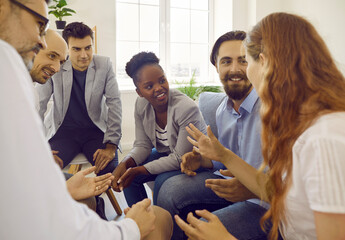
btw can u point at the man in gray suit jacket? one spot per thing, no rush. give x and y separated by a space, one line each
86 112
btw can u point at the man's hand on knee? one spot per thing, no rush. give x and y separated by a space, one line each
103 156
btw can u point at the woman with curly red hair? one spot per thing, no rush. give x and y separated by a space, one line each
303 137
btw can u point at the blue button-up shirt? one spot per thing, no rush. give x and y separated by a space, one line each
241 132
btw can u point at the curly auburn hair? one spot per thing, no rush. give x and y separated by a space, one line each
301 82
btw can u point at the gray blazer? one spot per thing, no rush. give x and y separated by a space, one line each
181 111
102 98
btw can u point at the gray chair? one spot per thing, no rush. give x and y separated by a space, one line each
208 104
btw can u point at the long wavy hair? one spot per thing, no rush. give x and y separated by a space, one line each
301 82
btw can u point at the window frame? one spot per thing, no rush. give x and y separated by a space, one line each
165 48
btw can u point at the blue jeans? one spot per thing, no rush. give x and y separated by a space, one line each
181 194
136 191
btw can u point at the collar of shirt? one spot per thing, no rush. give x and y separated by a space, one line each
246 106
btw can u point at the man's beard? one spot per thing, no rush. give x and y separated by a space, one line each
237 91
28 61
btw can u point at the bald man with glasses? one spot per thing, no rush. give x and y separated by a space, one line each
35 203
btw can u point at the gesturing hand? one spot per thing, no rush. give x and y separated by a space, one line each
208 146
118 172
190 162
81 187
200 230
230 189
127 178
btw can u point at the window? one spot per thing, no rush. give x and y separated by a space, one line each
177 31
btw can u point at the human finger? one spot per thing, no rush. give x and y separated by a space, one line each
89 170
196 131
226 172
206 215
188 229
219 182
104 163
146 203
124 176
191 132
126 210
189 172
210 133
193 220
95 155
104 177
58 161
102 188
196 149
54 152
192 141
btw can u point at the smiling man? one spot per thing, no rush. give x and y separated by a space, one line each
86 112
238 123
48 61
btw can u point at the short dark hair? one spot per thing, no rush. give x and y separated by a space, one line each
229 36
76 30
138 61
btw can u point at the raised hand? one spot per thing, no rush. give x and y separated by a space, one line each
81 187
208 146
197 229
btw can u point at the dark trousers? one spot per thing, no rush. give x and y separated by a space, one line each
70 142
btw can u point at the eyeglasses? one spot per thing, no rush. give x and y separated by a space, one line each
44 25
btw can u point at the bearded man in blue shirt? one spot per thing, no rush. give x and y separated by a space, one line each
239 128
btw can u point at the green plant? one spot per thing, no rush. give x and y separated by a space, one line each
59 9
193 91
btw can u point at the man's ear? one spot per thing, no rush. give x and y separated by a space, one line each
138 92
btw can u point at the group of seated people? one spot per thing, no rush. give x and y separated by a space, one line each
274 171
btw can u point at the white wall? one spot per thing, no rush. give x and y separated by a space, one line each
327 16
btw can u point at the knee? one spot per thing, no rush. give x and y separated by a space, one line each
169 196
163 225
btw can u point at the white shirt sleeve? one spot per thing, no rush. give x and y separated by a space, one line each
35 203
323 165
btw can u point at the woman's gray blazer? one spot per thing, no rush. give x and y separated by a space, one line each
181 111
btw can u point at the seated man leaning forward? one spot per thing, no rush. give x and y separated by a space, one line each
238 123
48 62
161 116
86 112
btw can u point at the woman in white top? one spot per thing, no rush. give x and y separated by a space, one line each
161 116
303 134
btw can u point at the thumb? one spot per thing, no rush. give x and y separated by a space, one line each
226 172
195 152
145 203
88 170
